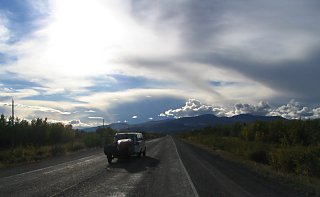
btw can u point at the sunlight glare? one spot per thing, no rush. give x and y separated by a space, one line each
86 39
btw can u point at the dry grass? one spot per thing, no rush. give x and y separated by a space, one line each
305 185
29 154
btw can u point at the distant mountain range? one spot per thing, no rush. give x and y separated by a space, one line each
186 123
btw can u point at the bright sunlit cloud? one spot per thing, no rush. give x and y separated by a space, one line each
78 42
109 59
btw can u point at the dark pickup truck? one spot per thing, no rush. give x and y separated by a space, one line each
125 145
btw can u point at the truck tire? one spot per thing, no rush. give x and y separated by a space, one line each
109 157
145 151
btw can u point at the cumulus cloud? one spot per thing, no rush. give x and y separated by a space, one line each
78 124
316 112
75 122
262 108
292 110
295 110
193 107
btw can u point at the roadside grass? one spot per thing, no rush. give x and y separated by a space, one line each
29 154
296 168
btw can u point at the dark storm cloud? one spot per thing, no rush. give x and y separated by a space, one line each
295 79
176 72
274 43
200 21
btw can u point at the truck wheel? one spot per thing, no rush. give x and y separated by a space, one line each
109 158
144 152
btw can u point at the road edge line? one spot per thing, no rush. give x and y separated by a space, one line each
185 170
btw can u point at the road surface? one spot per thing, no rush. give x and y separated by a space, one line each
171 168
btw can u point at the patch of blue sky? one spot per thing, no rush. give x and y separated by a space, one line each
221 83
22 16
51 97
2 58
11 81
43 96
5 110
123 82
5 58
145 108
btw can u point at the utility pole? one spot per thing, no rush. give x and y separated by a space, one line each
103 133
12 109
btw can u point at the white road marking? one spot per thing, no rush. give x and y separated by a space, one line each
185 170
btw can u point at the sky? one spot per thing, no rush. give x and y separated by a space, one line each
82 61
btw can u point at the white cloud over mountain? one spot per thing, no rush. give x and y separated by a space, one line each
193 107
292 110
295 110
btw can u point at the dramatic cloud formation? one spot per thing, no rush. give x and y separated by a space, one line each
193 107
264 41
76 59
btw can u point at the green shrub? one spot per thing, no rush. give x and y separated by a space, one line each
75 146
58 150
299 160
259 156
92 140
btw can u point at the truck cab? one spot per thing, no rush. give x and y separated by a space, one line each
126 145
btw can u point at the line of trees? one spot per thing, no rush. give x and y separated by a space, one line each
38 132
282 132
29 141
287 145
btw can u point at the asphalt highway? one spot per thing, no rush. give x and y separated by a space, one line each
171 168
